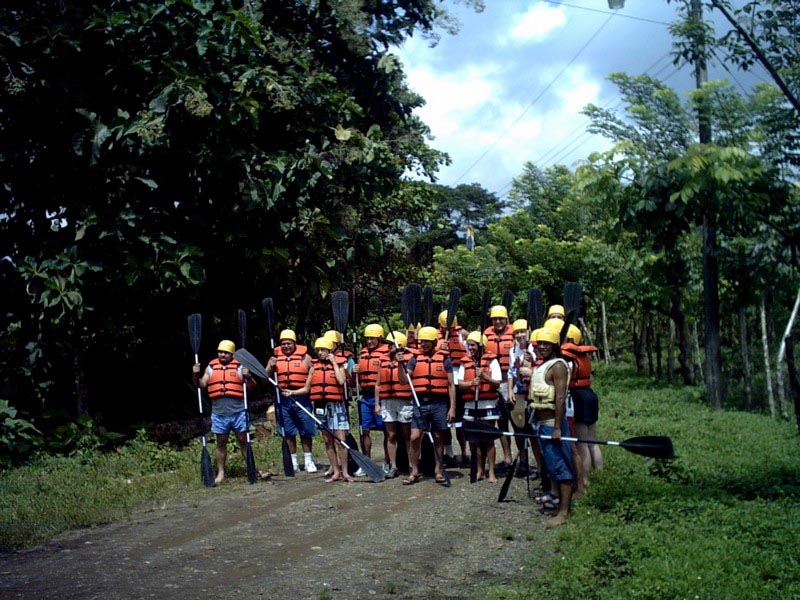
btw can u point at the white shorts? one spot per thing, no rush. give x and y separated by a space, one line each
397 411
336 417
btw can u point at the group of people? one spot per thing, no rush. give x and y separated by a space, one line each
428 379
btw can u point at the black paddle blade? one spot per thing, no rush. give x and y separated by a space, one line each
405 307
653 446
373 470
288 466
416 304
269 316
452 305
473 463
427 305
352 465
206 468
508 300
251 363
241 316
481 433
195 326
340 301
507 482
250 461
485 304
535 308
572 306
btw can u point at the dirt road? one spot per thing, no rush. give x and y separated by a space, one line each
294 538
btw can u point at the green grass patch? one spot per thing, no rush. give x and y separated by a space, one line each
722 520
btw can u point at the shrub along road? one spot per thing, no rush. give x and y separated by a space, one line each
297 538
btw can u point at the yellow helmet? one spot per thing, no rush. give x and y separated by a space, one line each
478 338
334 336
498 311
534 335
373 330
520 325
554 324
443 319
227 346
556 311
574 333
549 335
400 338
428 333
288 334
323 342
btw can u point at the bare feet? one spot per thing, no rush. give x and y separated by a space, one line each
492 478
580 492
555 521
334 477
347 478
219 478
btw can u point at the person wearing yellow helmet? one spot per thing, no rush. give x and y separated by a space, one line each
521 360
478 378
548 392
501 342
556 311
224 380
584 399
291 365
431 372
327 396
366 374
397 406
452 341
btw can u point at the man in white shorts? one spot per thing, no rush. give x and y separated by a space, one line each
396 404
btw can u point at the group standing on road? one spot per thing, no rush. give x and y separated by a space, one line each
428 379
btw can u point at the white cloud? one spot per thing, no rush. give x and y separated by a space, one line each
537 22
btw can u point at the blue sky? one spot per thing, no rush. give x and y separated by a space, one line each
509 87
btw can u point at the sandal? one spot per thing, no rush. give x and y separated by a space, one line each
440 478
411 480
548 497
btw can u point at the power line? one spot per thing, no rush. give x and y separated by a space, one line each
606 12
535 100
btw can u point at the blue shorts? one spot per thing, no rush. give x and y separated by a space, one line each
295 421
433 414
557 455
224 424
366 414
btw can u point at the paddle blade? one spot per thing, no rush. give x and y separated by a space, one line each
288 466
572 306
373 470
340 302
195 325
653 446
250 461
481 432
206 468
508 300
452 305
241 316
485 303
352 465
535 308
269 316
507 482
416 304
473 463
251 363
427 305
405 306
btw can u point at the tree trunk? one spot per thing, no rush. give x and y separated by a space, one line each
698 363
781 353
794 379
649 345
639 342
685 359
748 388
711 335
659 352
671 351
605 332
767 368
79 380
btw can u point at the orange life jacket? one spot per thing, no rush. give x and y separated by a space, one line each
429 376
369 363
391 386
485 391
291 371
458 348
225 381
500 344
581 375
324 387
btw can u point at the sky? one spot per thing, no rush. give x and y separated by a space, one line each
510 86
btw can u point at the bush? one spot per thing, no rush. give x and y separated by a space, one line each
19 439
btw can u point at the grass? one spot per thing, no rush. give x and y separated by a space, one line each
58 493
722 520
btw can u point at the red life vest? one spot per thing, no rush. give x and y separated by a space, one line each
485 391
581 375
225 381
324 387
429 376
369 363
500 344
291 371
391 387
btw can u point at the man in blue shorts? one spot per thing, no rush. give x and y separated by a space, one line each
224 380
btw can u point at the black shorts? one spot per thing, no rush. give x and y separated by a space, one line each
587 405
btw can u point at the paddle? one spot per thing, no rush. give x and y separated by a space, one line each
427 305
508 300
373 470
206 468
535 308
572 306
507 481
415 308
652 446
340 304
439 460
249 459
358 386
286 455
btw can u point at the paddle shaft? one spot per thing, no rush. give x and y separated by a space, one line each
499 433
